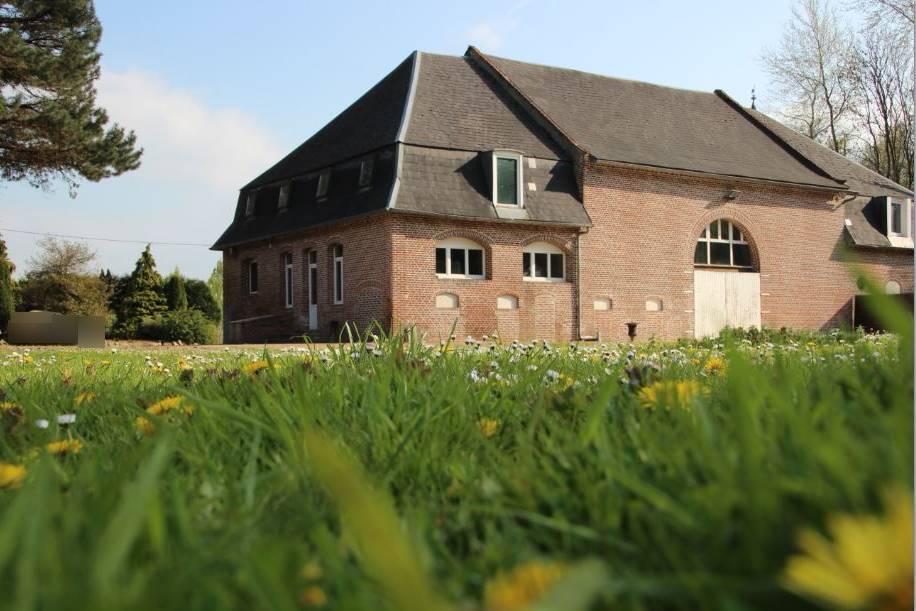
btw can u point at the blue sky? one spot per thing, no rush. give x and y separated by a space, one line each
219 90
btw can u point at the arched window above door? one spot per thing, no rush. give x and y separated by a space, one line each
723 244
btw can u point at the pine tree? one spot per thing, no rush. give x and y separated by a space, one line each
215 283
200 298
140 296
50 126
6 287
176 297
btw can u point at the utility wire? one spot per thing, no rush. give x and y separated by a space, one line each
82 237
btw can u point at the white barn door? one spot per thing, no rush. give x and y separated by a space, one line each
725 299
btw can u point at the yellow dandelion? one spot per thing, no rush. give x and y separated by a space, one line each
313 596
868 562
312 571
670 393
524 585
27 359
104 363
84 397
11 476
715 365
488 426
64 447
144 425
169 404
6 406
255 367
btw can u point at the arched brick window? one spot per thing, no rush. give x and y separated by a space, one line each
723 244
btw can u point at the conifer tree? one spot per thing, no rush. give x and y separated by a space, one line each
141 296
176 297
6 287
50 125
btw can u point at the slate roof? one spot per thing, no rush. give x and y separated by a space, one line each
631 122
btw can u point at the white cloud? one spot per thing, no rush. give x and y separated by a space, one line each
183 138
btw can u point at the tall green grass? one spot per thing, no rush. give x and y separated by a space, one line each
668 507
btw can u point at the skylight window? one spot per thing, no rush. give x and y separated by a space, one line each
249 203
507 179
324 181
365 173
283 199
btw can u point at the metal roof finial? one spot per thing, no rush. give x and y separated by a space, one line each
753 98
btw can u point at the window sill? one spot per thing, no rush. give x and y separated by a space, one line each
900 241
456 277
737 268
547 280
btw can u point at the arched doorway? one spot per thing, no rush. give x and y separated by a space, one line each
726 282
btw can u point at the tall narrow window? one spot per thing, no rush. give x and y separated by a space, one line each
543 262
283 198
459 258
338 273
897 218
365 173
507 179
313 277
252 277
249 203
288 279
324 181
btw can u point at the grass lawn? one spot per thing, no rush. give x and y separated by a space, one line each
729 474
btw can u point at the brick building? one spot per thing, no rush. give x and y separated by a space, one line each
538 202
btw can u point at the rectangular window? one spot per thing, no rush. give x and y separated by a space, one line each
338 273
252 277
457 256
556 265
313 278
440 261
719 253
288 279
540 265
249 203
700 256
324 181
742 255
897 218
365 173
526 264
283 200
475 262
507 181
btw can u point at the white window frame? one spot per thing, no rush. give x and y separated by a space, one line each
906 211
706 236
324 183
250 204
253 290
542 248
461 244
520 178
337 271
288 279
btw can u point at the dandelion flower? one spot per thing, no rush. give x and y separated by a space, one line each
255 367
715 365
170 403
11 476
6 406
488 426
313 596
84 397
64 447
670 393
312 571
524 585
869 561
144 425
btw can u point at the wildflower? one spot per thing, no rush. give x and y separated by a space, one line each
144 425
11 476
488 426
312 571
715 365
64 447
6 406
255 367
669 393
170 403
524 585
84 397
313 596
42 423
868 563
66 419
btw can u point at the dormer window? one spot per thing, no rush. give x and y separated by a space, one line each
507 179
900 221
249 204
365 173
324 181
283 199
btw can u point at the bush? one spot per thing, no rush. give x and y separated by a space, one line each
187 326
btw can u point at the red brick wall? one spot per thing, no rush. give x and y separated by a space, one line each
366 247
545 309
645 230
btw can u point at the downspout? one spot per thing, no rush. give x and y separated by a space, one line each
579 285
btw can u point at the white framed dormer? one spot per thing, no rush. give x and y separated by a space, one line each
543 262
900 222
250 199
460 258
508 179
